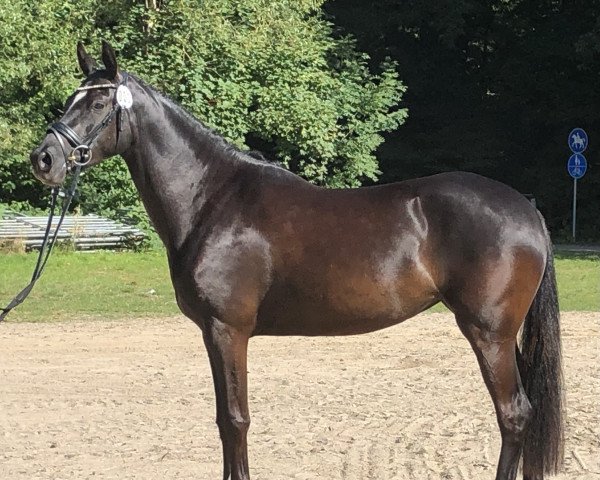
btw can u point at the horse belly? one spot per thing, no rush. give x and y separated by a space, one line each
356 304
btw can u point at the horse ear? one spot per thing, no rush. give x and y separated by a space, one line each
86 63
110 60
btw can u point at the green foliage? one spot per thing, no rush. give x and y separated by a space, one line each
267 75
270 71
36 38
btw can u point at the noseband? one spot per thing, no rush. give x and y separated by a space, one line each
84 146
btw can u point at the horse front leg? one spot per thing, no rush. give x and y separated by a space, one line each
227 350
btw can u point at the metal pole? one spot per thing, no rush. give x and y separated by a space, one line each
574 206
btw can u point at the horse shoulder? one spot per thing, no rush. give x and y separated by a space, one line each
228 278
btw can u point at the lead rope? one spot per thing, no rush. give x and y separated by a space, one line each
47 243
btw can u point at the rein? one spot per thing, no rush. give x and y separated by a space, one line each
122 100
48 241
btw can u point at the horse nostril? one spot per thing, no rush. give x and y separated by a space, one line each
44 161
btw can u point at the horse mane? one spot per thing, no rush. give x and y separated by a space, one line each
215 138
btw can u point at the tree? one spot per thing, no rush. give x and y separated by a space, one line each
265 74
493 87
35 40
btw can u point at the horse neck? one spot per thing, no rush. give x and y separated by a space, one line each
176 164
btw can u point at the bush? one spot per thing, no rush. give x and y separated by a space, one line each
269 75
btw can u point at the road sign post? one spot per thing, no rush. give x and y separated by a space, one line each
577 165
573 226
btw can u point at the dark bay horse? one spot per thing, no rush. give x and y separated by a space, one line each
255 250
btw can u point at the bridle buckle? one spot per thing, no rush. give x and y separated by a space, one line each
85 155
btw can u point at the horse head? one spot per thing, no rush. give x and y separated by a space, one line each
92 126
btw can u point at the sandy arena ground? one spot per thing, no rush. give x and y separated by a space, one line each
134 400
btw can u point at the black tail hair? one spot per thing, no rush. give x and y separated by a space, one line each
543 448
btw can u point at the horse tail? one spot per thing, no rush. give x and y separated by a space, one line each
541 373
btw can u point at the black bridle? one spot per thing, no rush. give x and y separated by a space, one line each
84 145
74 166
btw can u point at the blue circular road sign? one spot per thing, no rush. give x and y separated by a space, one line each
577 165
578 140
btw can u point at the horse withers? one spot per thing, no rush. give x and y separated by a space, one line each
255 250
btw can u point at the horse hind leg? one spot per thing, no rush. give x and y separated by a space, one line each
497 357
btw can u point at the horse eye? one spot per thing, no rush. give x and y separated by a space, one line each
98 106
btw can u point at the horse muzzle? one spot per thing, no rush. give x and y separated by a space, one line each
48 165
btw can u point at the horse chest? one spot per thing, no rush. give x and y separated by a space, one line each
227 279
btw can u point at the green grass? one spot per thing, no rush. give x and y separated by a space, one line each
120 285
578 277
102 285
